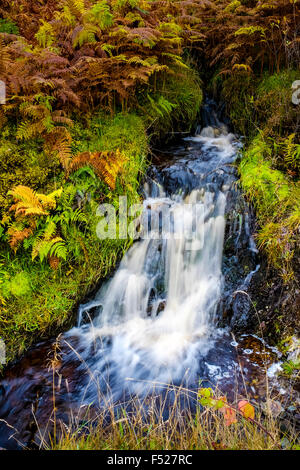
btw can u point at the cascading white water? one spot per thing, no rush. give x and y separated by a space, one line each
158 309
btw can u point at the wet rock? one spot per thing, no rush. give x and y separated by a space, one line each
161 307
285 443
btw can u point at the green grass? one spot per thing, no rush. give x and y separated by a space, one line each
291 367
136 430
260 102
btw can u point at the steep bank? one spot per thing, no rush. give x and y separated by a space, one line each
260 107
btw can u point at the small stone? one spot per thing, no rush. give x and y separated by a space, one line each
273 408
285 443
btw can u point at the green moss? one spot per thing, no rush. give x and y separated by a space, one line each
238 93
7 26
17 286
277 202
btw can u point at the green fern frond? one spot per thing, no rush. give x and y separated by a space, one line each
87 35
100 15
45 35
53 247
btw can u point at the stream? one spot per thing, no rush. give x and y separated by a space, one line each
167 316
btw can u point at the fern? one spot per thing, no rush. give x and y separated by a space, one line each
62 140
50 229
44 248
107 165
17 233
86 35
249 30
231 8
71 217
290 151
242 67
76 7
161 106
100 15
29 203
45 35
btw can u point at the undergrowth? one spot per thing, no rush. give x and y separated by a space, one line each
152 424
277 201
260 108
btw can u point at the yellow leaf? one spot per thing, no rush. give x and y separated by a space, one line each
246 409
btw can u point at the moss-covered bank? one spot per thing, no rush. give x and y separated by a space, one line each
260 108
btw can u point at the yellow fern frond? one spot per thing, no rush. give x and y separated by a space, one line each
62 145
242 67
45 35
27 203
76 7
49 201
107 165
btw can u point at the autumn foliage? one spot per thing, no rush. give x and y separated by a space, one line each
76 56
107 165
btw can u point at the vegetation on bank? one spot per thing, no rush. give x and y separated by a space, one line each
205 431
263 111
54 256
255 53
214 425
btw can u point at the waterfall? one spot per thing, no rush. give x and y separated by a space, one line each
159 308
